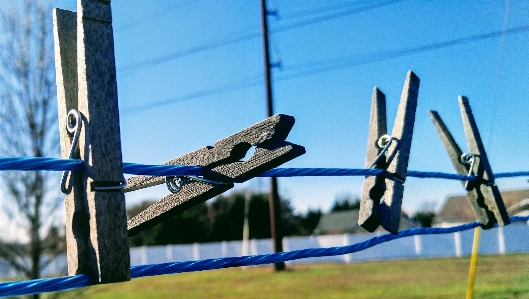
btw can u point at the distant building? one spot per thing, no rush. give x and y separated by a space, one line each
346 222
457 209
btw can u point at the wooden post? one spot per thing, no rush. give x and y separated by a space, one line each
97 236
276 232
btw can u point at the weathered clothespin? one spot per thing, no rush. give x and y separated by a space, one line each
483 194
390 153
96 230
223 167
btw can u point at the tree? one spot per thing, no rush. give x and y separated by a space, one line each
345 202
309 221
222 219
188 227
28 127
425 215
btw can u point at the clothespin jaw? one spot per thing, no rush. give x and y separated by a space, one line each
483 194
374 186
223 168
96 232
65 35
390 185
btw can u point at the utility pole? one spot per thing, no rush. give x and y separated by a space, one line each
273 197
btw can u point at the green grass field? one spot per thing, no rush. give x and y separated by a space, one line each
505 276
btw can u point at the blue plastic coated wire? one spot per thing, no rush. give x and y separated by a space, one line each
294 172
72 282
53 164
38 163
161 170
28 287
511 174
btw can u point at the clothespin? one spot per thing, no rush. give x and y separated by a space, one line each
222 167
96 230
483 194
390 153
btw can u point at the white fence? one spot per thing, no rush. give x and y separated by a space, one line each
512 238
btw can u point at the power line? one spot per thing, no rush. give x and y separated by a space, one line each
193 50
254 81
250 35
308 12
350 61
335 15
326 66
156 15
498 71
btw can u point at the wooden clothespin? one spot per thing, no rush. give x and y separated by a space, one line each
96 229
388 186
222 168
483 194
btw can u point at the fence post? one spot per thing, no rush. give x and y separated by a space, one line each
169 253
224 248
196 251
418 244
286 247
347 257
143 255
285 244
457 243
501 240
253 247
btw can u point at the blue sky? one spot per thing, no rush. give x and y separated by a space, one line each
175 97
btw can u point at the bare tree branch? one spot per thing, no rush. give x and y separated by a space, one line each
28 119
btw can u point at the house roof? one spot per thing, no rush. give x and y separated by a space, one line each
457 208
347 222
337 222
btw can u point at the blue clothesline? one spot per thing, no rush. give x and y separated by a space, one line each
53 164
71 282
19 288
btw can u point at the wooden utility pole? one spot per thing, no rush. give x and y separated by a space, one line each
273 198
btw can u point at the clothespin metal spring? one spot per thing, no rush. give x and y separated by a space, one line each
469 159
176 183
73 125
384 142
